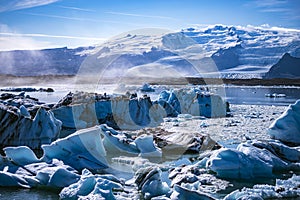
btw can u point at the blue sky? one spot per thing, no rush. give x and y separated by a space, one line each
32 24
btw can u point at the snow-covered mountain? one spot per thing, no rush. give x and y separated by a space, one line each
287 67
218 50
58 61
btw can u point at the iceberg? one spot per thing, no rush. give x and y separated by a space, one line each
91 186
26 122
253 160
135 113
82 149
193 101
120 112
287 127
37 174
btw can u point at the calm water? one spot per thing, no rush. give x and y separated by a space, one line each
234 94
256 95
27 194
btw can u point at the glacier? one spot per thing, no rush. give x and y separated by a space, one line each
244 51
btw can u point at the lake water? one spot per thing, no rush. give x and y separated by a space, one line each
249 95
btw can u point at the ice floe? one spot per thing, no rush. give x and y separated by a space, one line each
282 189
287 127
91 187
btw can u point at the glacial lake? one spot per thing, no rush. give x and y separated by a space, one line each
233 94
246 95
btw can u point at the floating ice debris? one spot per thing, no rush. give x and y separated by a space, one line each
195 177
27 89
147 88
25 122
283 189
82 149
275 95
184 193
203 125
52 175
287 127
90 186
174 145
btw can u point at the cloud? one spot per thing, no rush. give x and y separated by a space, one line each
76 8
50 36
140 15
270 3
80 19
11 40
276 10
9 5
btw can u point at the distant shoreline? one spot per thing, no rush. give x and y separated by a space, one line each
12 80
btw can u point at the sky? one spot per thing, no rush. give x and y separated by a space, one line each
38 24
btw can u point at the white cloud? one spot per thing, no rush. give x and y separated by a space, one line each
11 40
270 3
49 36
276 10
81 19
76 8
140 15
8 5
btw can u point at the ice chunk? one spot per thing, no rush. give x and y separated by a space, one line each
90 186
150 183
133 114
8 179
82 149
184 193
18 130
287 127
252 160
21 155
194 102
121 111
24 112
52 175
117 142
234 164
282 189
147 147
147 88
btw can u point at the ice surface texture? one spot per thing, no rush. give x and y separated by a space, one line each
131 113
23 121
287 127
282 189
254 160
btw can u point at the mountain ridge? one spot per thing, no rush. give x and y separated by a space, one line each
213 51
